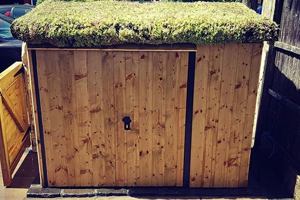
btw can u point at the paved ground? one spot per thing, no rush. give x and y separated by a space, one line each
143 198
13 193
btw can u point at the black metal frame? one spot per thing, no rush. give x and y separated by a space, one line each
189 119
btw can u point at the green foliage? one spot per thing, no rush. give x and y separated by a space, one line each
38 2
41 1
197 0
93 24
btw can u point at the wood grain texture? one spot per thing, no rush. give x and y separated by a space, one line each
5 167
95 84
66 171
35 119
238 116
223 115
119 109
159 84
250 111
182 66
212 113
131 109
83 118
199 117
145 137
13 120
56 119
109 119
14 113
44 73
28 89
92 93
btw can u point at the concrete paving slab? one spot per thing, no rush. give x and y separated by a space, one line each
78 192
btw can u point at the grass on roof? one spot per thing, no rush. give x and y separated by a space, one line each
93 24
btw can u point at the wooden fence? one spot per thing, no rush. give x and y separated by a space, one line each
279 114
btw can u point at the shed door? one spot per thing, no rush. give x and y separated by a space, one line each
13 120
85 95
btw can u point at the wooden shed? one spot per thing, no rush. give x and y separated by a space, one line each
129 107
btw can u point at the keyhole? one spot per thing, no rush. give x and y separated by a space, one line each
126 121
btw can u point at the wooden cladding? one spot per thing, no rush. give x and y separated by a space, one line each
226 79
84 96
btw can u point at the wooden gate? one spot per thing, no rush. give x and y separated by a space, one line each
13 120
85 95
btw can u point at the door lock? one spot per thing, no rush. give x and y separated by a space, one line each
126 121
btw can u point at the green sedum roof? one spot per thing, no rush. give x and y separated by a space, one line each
41 1
93 24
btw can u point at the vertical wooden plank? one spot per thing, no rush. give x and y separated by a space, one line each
225 113
145 141
83 117
136 113
43 74
28 87
250 109
268 9
149 109
74 131
158 130
172 118
182 69
199 116
109 119
170 139
35 126
55 94
132 135
95 90
67 74
212 114
238 115
46 114
119 99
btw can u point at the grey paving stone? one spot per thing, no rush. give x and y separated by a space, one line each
111 192
78 192
43 192
161 191
36 186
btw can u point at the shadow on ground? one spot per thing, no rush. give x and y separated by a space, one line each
27 173
264 173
